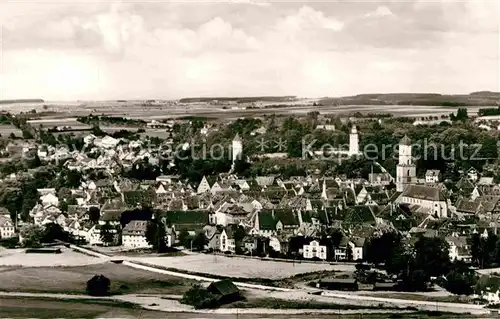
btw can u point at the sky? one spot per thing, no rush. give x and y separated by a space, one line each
101 50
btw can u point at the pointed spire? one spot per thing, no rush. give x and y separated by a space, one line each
237 138
405 141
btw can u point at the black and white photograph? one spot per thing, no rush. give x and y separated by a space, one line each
249 159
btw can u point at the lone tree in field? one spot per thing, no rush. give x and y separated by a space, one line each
98 286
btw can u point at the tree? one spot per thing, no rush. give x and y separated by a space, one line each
431 255
98 286
380 249
33 162
63 205
199 241
460 281
53 232
349 253
156 234
107 233
185 239
200 298
32 236
94 214
27 134
239 234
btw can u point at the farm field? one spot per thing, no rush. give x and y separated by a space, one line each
239 267
68 257
72 280
67 113
5 130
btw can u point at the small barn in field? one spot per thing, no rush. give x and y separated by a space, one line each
225 290
338 284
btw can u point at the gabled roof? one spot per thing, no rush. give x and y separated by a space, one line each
135 227
359 215
224 288
116 204
287 217
265 180
190 217
432 172
468 206
266 220
465 184
424 192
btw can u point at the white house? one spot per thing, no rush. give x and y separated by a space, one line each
326 127
227 242
7 229
92 235
432 176
134 235
314 249
472 174
274 242
48 197
204 186
357 248
458 248
107 142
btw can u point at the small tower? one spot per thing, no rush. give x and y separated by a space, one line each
353 141
406 170
237 148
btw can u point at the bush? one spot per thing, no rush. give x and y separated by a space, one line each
98 286
200 298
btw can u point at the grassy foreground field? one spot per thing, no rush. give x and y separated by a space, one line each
72 280
47 309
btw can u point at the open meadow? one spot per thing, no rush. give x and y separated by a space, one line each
237 267
72 280
68 257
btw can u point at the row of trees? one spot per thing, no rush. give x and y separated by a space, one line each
416 265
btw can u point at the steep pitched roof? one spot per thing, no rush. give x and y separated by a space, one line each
135 227
266 220
224 288
360 214
424 192
405 140
287 217
192 219
468 206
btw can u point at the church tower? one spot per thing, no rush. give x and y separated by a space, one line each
353 141
237 148
406 170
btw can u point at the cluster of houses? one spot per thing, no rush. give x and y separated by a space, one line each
271 207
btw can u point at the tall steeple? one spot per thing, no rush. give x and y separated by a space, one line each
353 141
406 170
237 148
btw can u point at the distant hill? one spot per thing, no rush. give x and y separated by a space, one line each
21 101
239 99
483 98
